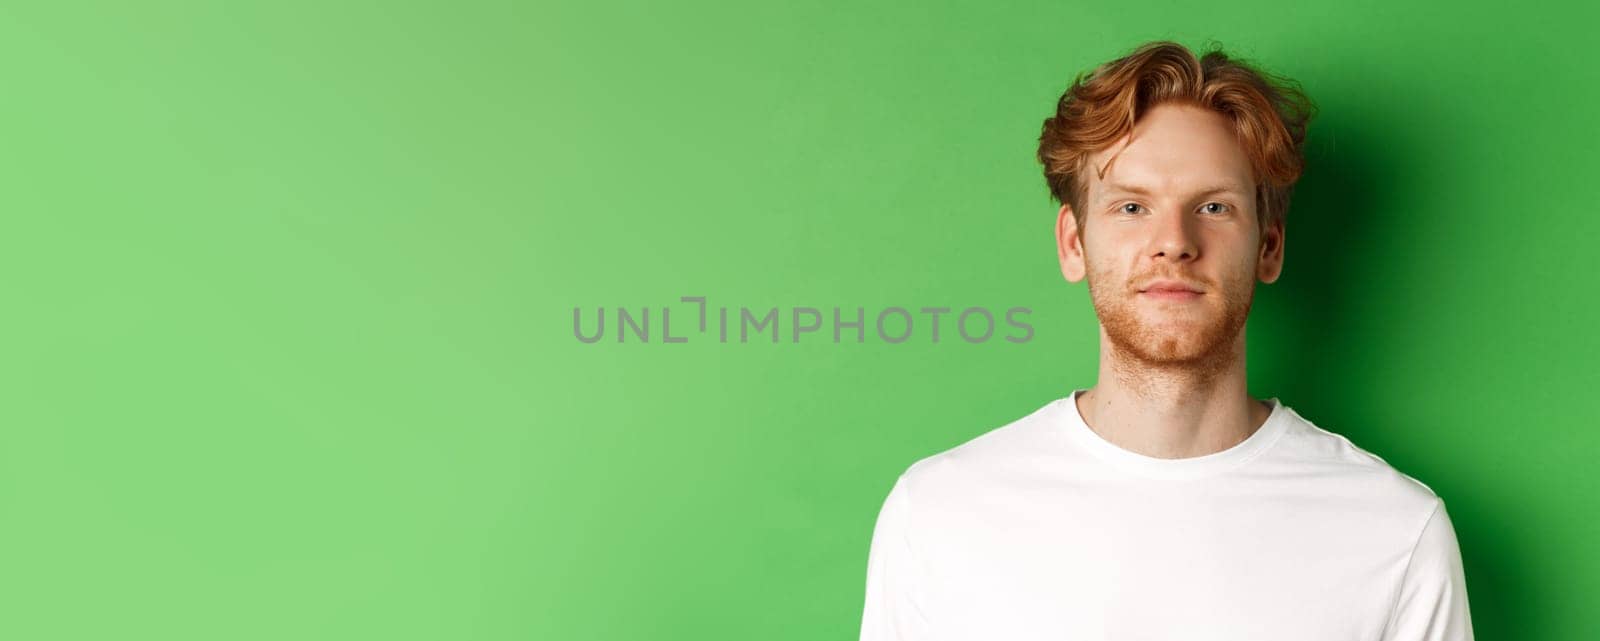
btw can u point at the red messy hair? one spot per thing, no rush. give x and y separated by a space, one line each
1269 115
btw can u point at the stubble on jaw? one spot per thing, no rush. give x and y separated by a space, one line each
1148 358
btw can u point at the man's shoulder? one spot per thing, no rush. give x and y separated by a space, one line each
1312 451
1004 447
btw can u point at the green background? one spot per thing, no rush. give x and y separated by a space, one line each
289 286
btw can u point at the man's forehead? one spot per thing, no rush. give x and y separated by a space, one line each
1140 163
1131 176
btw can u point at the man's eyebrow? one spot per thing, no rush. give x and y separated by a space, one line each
1135 189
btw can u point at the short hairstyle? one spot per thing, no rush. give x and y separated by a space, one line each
1269 115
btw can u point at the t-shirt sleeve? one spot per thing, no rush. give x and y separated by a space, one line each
1432 603
895 609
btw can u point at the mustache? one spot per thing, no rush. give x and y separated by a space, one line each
1182 278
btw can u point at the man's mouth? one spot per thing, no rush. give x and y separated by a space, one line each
1171 294
1171 290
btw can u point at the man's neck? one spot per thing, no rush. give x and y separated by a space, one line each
1172 414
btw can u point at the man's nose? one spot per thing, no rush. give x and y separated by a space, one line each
1174 237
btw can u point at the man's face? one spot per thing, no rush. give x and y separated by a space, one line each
1175 208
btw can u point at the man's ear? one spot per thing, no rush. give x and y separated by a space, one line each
1069 245
1270 264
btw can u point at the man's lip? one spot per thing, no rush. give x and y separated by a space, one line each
1168 286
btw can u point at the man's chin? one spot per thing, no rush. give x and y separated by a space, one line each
1181 356
1172 341
1182 327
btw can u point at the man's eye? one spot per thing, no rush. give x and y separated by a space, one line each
1130 208
1219 208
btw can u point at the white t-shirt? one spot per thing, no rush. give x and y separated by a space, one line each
1042 529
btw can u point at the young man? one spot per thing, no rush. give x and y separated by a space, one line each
1165 503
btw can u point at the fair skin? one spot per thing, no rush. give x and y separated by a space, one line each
1172 366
